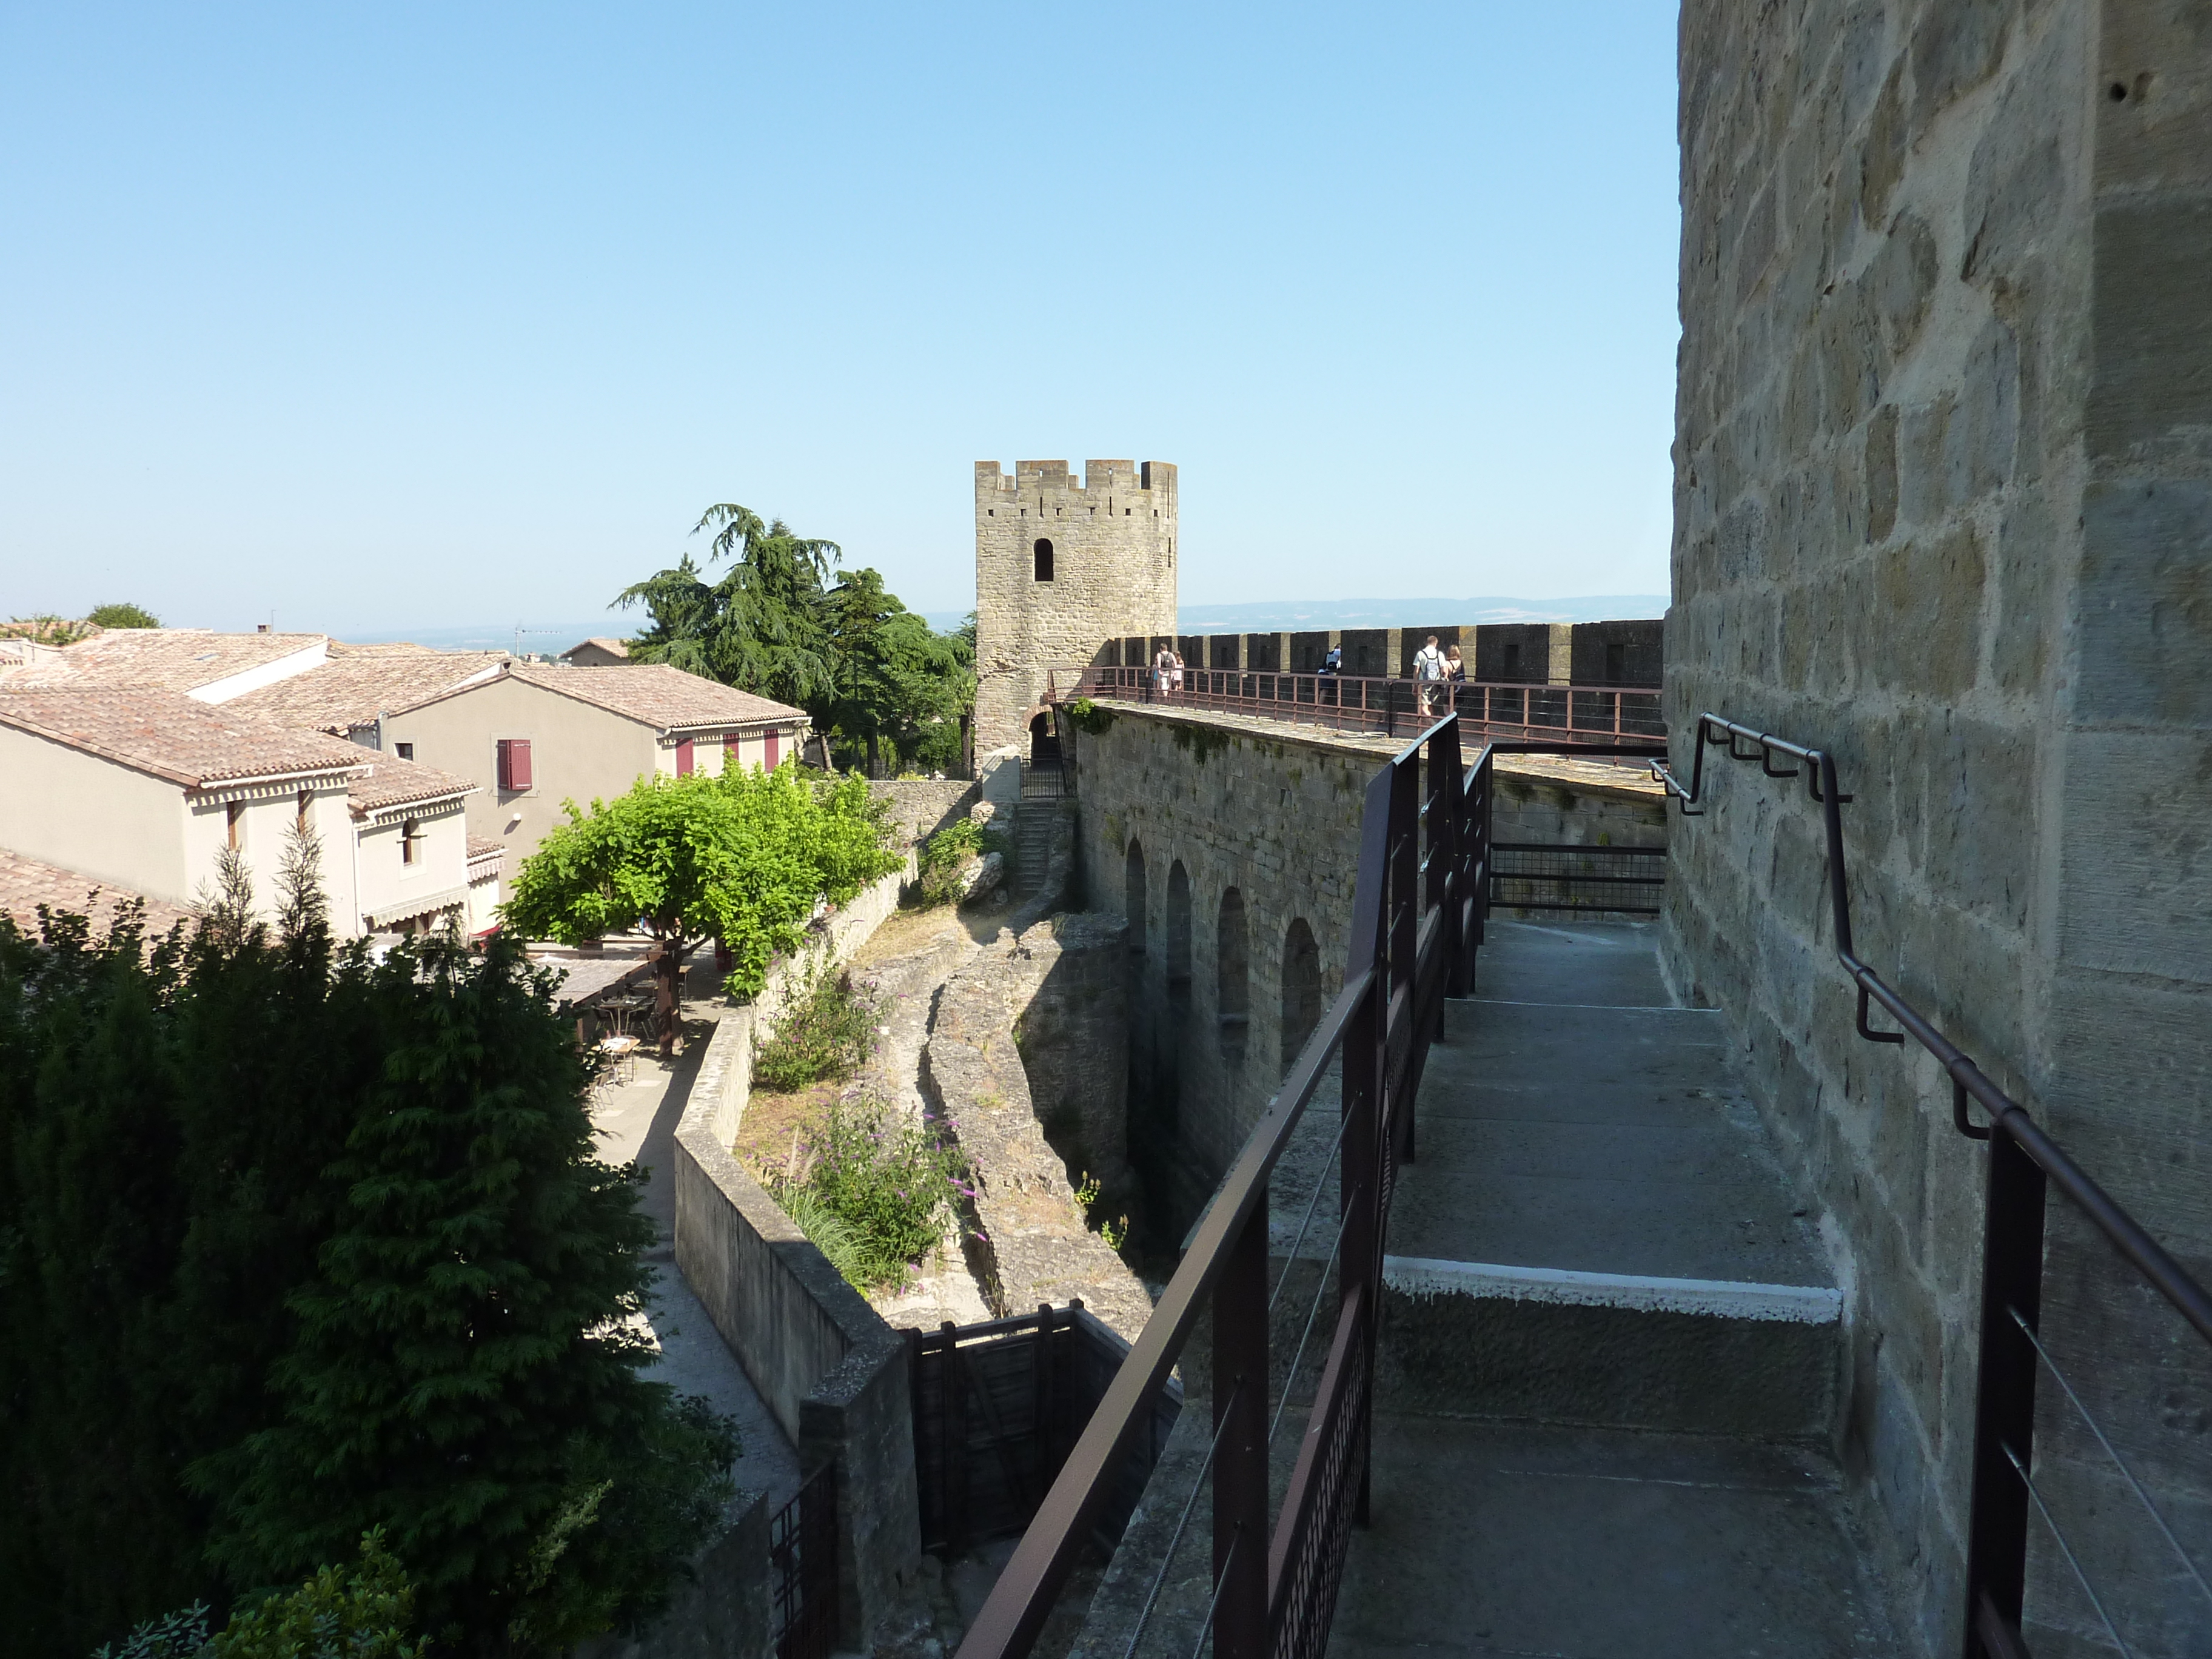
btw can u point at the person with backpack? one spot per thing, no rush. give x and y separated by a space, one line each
1429 671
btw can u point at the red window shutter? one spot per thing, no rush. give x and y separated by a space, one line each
684 758
514 764
729 752
774 744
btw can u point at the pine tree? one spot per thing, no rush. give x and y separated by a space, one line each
466 1369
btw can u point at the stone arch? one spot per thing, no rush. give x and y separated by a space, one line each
1178 997
1232 976
1044 742
1134 897
1301 989
1041 553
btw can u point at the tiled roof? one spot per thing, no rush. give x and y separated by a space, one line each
391 782
173 737
612 647
26 883
173 658
486 851
355 686
656 694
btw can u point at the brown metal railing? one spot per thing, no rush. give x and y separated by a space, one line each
1578 714
2024 1163
1418 915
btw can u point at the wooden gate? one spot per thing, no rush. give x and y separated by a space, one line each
996 1408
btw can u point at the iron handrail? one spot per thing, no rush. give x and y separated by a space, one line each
2024 1160
2165 1275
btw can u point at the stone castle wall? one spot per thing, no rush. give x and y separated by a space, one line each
1114 554
1943 497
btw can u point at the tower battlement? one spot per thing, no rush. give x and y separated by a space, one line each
1056 478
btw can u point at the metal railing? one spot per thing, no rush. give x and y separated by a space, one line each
1418 913
1578 714
2024 1163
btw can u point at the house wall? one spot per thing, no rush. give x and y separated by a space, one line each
578 752
442 860
1943 494
82 813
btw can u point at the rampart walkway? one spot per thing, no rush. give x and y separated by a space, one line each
1608 1371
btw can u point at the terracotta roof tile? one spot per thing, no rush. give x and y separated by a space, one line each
172 659
392 782
26 883
354 687
175 738
656 694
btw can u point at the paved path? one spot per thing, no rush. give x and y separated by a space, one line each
638 1120
1595 1249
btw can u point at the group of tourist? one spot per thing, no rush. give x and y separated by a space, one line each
1433 668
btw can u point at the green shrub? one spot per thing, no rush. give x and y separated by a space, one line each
358 1613
943 856
826 1032
889 1182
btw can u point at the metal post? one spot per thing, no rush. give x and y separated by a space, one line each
2004 1393
1240 1462
1359 1168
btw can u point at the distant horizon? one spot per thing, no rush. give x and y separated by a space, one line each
550 639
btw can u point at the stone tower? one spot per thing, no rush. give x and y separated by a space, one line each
1063 571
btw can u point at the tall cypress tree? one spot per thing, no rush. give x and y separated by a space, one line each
465 1373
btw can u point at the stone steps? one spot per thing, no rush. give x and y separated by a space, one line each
1609 1377
1033 829
1595 1229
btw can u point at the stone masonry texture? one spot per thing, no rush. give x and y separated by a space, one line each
1112 573
1943 507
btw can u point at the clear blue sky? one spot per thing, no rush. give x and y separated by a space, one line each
393 315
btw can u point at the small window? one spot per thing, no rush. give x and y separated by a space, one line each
234 823
1125 512
684 758
405 750
772 744
411 842
1043 551
299 822
514 765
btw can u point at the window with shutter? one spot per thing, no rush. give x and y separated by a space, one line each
684 758
774 741
514 764
730 753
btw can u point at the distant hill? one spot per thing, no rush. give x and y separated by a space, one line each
546 640
1297 615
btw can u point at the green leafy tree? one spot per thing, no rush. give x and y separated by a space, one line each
743 857
760 627
293 1245
465 1367
865 668
361 1612
892 676
122 616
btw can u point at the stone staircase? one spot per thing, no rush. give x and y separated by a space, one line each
1609 1377
1034 823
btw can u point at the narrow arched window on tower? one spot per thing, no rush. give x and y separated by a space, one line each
1043 551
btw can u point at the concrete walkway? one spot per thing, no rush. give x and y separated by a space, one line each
637 1120
1609 1377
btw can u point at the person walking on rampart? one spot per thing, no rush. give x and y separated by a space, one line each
1429 669
1454 673
1163 665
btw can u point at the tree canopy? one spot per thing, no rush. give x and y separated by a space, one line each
869 671
743 858
122 615
297 1245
